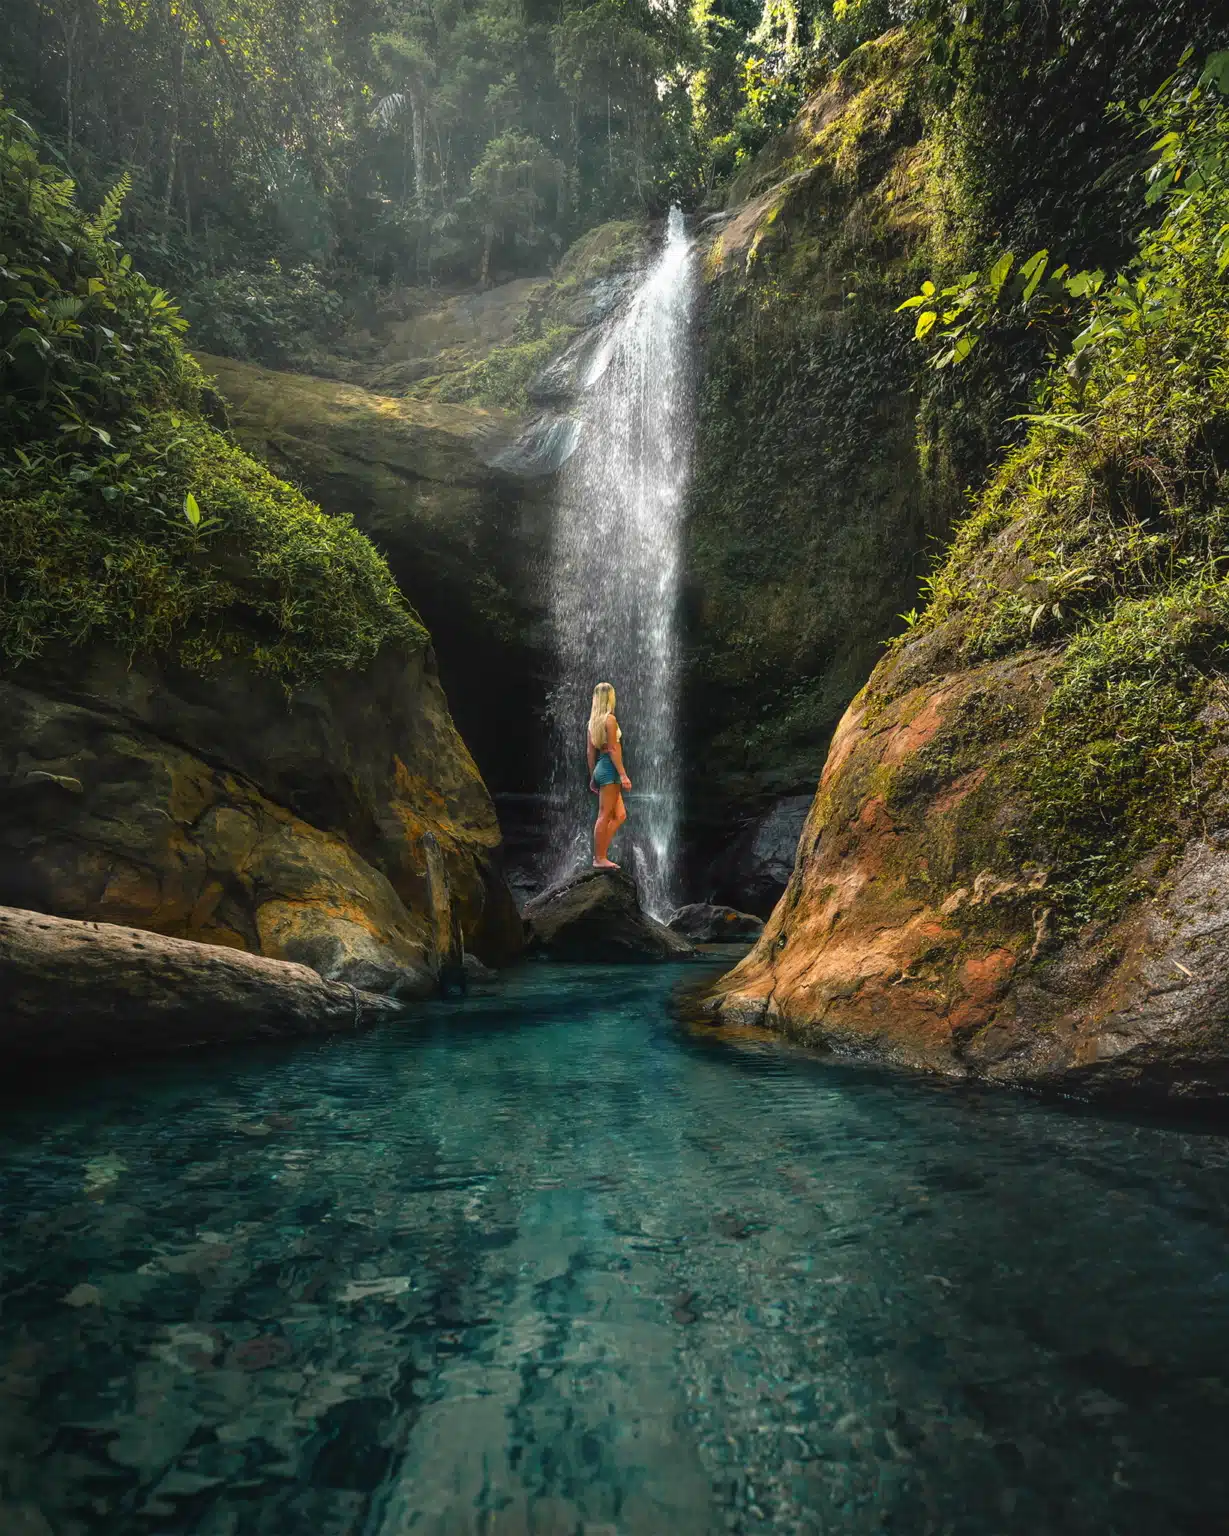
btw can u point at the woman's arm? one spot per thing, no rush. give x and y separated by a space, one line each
592 760
615 748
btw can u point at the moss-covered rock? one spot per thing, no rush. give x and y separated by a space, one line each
1015 864
465 538
811 509
484 346
222 717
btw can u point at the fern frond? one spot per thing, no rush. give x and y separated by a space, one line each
104 221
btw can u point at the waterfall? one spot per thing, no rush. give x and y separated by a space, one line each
615 568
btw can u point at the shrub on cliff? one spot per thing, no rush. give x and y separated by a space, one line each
1106 535
124 516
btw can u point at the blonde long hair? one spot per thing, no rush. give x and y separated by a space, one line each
603 705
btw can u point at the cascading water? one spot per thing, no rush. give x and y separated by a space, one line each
615 570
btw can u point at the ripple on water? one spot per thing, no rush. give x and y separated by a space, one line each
543 1262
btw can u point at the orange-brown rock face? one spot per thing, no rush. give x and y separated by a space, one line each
346 828
915 929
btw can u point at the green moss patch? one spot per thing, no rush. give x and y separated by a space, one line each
1104 539
620 245
124 516
501 379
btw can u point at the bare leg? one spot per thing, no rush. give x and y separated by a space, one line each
620 816
607 823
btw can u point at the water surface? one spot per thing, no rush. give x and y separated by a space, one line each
543 1262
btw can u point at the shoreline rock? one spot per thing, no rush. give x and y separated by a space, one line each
79 991
596 915
345 828
752 872
704 922
898 942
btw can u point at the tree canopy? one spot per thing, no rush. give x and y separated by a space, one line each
407 139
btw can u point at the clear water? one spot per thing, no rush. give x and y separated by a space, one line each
544 1262
615 566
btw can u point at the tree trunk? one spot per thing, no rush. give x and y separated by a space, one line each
418 123
172 152
488 239
69 25
187 196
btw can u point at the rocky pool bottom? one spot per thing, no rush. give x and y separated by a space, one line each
546 1262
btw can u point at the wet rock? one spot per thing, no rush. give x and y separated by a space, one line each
541 449
753 872
74 991
596 915
704 923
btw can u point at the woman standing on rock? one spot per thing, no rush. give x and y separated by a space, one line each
607 776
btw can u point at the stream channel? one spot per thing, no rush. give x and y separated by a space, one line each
547 1261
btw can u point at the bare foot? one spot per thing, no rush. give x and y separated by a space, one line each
604 864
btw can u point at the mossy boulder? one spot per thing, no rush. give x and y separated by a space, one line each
464 537
1015 867
222 717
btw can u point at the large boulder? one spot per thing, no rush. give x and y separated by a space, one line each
752 873
596 915
345 827
703 923
74 991
219 718
1015 867
910 935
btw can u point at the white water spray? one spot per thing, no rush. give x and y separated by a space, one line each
615 571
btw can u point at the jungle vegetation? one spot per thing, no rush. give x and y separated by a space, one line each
280 148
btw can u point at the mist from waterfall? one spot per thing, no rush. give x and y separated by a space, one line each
616 563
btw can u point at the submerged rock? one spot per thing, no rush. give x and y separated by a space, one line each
596 915
73 991
704 923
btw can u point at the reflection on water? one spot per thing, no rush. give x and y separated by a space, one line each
543 1263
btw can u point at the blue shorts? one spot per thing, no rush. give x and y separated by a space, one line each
604 771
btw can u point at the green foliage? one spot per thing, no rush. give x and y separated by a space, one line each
272 316
400 143
1033 296
1105 532
1190 156
123 516
81 333
850 23
512 184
